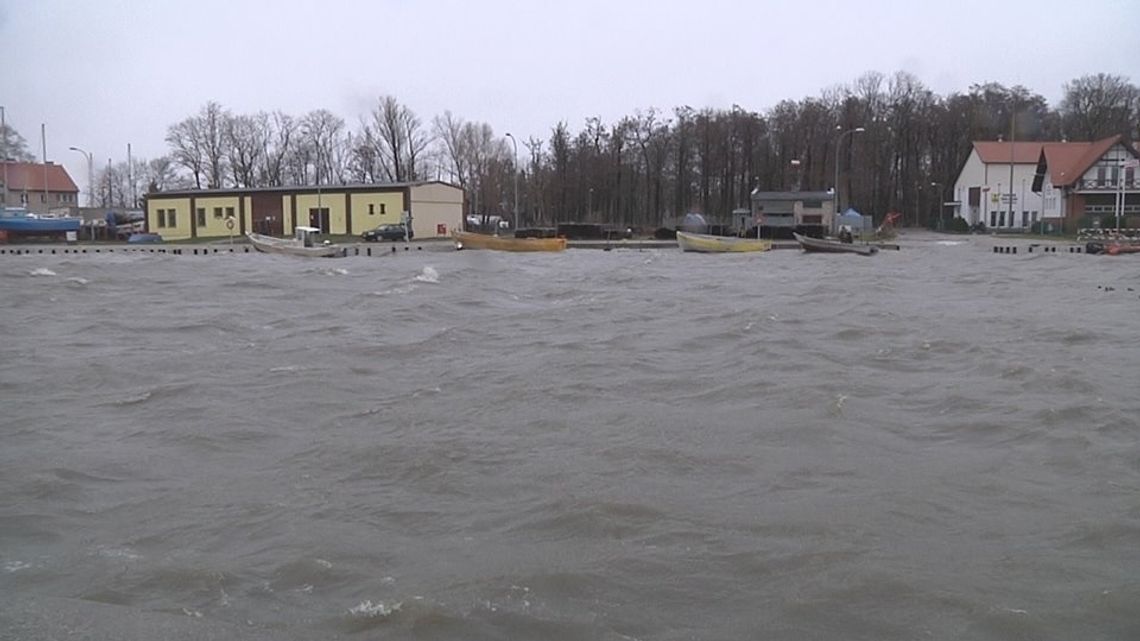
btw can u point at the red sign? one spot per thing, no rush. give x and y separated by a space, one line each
441 229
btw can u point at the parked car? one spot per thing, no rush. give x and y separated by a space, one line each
387 232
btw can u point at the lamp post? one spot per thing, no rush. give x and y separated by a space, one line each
838 144
515 162
938 202
90 176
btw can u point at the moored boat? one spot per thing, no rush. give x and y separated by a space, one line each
829 246
304 243
21 221
471 240
692 242
1115 249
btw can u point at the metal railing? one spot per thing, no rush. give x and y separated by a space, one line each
1103 233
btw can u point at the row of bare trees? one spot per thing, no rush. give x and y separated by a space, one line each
653 165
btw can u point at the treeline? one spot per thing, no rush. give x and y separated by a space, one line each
652 165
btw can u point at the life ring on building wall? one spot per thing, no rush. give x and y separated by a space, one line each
230 224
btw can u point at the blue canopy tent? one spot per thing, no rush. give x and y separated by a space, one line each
856 222
695 223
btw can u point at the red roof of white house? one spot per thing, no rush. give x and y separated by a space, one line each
1068 161
30 176
1000 153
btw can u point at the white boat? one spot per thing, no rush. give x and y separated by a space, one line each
691 242
305 242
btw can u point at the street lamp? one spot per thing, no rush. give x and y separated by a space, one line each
515 162
938 201
838 143
90 176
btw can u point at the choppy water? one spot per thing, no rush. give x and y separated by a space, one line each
934 443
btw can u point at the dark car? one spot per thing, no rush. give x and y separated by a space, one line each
387 232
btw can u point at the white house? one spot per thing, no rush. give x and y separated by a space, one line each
995 185
1079 179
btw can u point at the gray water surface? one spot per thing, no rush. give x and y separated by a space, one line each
939 443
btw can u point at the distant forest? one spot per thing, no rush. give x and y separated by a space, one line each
648 167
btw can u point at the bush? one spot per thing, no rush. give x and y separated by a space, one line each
1095 221
958 225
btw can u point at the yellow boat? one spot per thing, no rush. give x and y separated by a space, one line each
470 240
715 244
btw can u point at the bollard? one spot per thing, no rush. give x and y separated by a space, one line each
1014 249
369 251
393 249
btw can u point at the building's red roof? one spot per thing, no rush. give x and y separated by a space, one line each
994 152
29 176
1068 161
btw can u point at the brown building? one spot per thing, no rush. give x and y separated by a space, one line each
1083 180
37 187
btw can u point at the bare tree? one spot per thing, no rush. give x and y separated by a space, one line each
187 149
278 142
213 121
161 174
245 143
322 134
13 146
1100 105
400 140
449 131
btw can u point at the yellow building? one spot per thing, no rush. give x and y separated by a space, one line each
435 209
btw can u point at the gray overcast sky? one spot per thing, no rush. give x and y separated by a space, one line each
104 73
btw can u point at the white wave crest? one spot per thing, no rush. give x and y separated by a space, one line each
369 609
16 566
428 275
117 553
41 271
404 289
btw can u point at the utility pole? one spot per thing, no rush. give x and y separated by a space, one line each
4 158
515 166
90 176
43 141
130 176
1012 146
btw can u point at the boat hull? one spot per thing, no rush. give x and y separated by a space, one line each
720 244
20 225
271 245
822 246
1116 249
470 240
